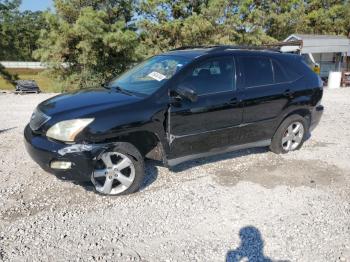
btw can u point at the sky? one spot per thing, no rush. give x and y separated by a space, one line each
36 5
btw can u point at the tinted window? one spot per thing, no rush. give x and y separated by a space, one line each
212 76
280 74
292 75
307 60
256 71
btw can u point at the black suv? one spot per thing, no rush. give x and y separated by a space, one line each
174 107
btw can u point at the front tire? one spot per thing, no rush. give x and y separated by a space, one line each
290 135
119 170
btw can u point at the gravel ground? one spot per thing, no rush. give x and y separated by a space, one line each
251 203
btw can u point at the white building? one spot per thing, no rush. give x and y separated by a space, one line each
331 52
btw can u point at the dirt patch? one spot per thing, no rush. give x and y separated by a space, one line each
320 144
294 173
28 203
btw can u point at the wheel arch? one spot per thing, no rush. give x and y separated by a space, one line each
304 112
146 142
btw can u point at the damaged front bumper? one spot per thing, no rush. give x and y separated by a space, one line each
47 153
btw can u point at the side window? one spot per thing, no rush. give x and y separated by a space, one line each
280 74
256 71
292 75
212 66
212 76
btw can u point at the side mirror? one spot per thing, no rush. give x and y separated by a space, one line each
186 92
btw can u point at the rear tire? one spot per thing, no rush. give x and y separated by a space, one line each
290 135
119 170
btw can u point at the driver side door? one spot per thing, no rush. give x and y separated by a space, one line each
211 122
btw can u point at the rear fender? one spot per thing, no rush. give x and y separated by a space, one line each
303 111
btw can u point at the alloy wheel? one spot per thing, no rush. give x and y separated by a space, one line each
114 173
293 136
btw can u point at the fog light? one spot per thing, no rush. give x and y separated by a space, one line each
61 165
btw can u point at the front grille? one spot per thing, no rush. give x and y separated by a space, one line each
38 119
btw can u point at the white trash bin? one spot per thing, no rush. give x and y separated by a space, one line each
334 80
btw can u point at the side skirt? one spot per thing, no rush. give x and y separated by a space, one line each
215 151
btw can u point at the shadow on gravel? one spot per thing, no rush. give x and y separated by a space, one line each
7 129
251 248
223 156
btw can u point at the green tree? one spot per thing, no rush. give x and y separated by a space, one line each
285 17
19 31
328 17
8 9
310 17
243 22
167 24
88 42
10 78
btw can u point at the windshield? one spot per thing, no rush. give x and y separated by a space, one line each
150 75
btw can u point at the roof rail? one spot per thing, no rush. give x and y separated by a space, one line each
262 48
287 43
193 47
215 48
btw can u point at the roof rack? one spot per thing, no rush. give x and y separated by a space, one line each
216 48
287 43
261 48
193 47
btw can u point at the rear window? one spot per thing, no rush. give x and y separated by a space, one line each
289 67
291 74
257 71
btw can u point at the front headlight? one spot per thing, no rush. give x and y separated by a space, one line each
67 130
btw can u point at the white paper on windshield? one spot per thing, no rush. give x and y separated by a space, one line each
157 76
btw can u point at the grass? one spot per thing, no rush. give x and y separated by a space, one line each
45 83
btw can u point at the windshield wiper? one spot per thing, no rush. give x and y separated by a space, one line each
117 88
122 90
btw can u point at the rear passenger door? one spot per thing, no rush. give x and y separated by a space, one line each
264 93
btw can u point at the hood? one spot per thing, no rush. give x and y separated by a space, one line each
86 101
